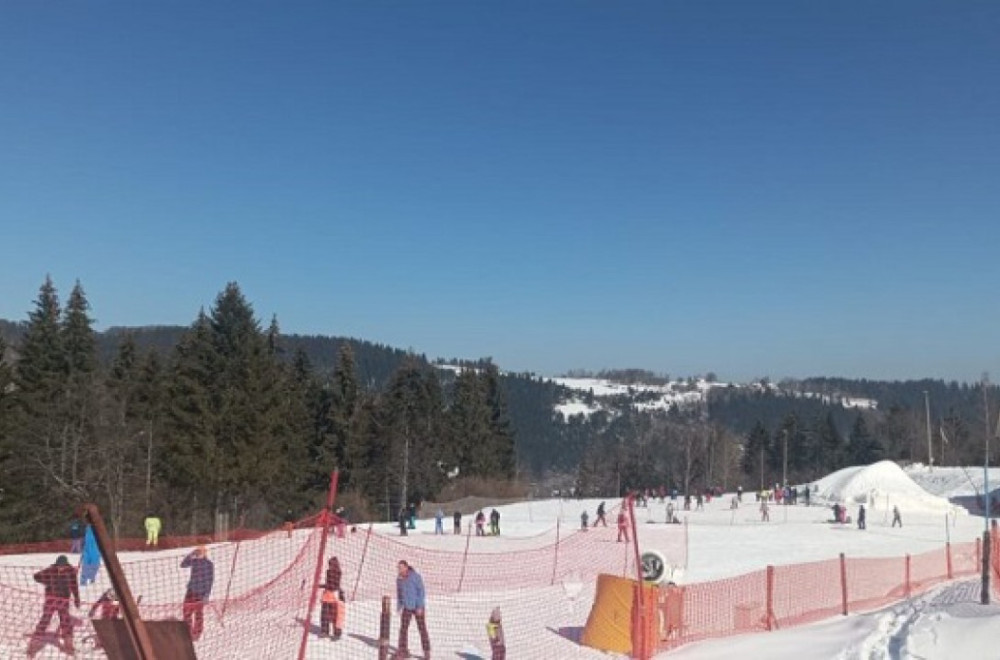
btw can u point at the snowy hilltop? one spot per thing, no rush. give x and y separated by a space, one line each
590 395
880 485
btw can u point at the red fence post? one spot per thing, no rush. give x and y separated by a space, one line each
906 589
947 550
325 520
979 561
644 652
555 560
843 584
769 611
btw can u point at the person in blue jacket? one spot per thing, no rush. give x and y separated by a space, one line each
199 588
411 603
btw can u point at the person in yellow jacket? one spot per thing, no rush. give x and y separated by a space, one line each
153 526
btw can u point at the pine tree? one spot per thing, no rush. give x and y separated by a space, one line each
862 448
80 348
36 494
754 454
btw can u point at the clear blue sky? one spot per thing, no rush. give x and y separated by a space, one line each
751 188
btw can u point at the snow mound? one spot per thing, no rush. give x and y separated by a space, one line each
880 485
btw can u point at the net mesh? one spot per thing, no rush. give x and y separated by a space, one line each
542 587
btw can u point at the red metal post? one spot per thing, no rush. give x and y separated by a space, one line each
947 550
843 584
979 550
325 520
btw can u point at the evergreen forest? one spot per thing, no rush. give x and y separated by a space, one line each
230 415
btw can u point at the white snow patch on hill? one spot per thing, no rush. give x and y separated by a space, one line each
880 485
952 481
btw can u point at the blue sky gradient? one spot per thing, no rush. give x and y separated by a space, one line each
780 188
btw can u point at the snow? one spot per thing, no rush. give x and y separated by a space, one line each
880 486
952 482
944 623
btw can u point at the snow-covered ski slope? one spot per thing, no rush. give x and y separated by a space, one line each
542 621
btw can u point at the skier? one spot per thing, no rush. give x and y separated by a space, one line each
458 522
494 631
480 522
106 607
495 522
699 503
623 525
332 613
153 526
333 574
896 517
199 588
764 514
60 584
583 521
413 516
861 516
670 512
410 602
75 536
600 515
836 513
439 522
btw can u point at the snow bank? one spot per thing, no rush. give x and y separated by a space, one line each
880 485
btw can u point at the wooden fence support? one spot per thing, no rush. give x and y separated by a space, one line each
907 589
771 622
843 584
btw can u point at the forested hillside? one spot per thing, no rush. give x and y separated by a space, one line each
225 415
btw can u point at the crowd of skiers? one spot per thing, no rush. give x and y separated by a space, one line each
407 521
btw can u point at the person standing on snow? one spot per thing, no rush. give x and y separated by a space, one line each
403 518
411 603
480 522
60 585
600 516
583 521
199 588
495 522
861 516
623 525
765 515
494 631
896 517
458 522
439 522
153 525
75 536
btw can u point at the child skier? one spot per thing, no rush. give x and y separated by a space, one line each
494 630
332 613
